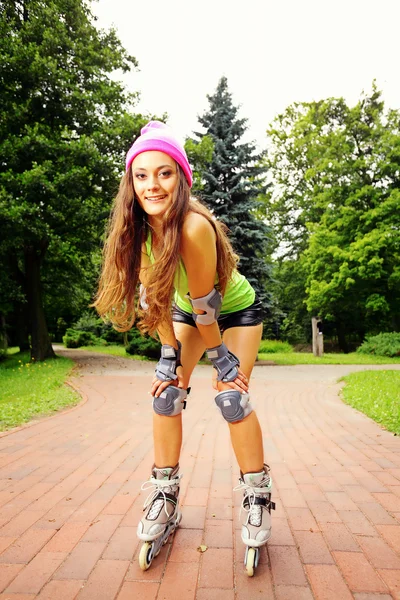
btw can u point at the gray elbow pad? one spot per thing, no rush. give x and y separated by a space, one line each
211 304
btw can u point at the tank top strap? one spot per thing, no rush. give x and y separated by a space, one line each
149 251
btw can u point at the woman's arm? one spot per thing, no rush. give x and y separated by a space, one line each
199 254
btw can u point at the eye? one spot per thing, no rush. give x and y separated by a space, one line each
140 175
166 173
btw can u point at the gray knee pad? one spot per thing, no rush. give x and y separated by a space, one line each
170 402
233 405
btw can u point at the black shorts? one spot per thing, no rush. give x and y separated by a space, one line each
252 315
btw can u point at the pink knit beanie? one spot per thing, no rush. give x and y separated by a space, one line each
158 136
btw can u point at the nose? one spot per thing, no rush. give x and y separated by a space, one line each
152 182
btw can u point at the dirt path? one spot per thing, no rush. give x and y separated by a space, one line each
70 494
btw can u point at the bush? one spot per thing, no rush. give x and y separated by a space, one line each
90 323
383 344
75 339
110 335
274 347
143 346
101 330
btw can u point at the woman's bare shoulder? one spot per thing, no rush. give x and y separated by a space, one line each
196 225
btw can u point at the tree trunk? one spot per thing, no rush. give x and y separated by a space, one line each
41 347
395 322
317 337
20 315
3 334
341 333
22 326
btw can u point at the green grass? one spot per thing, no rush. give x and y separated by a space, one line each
274 347
279 358
376 394
114 351
307 358
29 389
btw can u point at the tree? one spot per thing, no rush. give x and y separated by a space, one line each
336 206
200 155
288 288
231 183
64 129
353 264
303 161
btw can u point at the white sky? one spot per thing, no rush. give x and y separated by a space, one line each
272 52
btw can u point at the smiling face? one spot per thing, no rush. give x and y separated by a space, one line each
155 177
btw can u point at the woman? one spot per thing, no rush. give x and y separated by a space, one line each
192 295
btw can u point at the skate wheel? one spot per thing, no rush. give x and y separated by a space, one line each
145 556
251 556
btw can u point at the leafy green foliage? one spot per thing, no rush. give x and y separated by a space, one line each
383 344
288 289
200 155
143 346
74 338
110 335
335 207
375 393
231 182
65 125
89 322
90 330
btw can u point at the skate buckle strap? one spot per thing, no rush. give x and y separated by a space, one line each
259 501
252 499
157 491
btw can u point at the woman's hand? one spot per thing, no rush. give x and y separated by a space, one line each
158 386
241 383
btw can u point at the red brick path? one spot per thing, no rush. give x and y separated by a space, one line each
70 496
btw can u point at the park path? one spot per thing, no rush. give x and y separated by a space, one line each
70 495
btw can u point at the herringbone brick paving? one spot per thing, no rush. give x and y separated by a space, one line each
70 495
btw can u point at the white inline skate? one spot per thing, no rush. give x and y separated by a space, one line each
256 522
162 515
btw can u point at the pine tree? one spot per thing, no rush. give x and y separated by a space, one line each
231 184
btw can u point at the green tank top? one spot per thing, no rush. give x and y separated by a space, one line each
238 294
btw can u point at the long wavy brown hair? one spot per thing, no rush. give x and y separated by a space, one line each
128 229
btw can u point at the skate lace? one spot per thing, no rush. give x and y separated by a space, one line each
250 492
158 486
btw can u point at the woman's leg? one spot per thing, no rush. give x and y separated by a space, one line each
167 431
246 435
